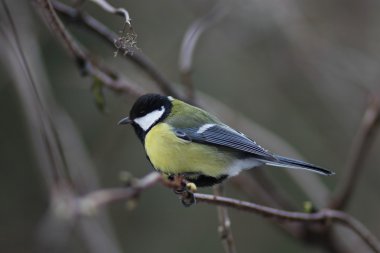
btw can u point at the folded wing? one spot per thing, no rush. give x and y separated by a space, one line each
222 135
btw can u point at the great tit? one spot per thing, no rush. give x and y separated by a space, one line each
181 139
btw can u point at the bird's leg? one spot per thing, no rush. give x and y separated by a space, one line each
179 182
185 189
188 198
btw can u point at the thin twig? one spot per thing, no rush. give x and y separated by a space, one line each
82 18
324 216
103 197
108 77
255 191
109 8
189 42
359 149
224 227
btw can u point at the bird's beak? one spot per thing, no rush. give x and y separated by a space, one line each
125 121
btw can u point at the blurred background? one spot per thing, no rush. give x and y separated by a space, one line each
299 71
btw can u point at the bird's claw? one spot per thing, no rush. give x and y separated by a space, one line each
186 191
188 199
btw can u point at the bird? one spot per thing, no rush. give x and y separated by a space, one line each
183 140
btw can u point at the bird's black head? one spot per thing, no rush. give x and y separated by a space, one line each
147 111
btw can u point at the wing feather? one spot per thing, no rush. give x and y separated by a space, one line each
222 135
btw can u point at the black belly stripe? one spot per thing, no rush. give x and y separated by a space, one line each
204 181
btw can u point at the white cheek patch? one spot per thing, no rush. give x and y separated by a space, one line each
203 128
148 120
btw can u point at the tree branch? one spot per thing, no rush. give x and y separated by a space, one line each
104 33
324 216
359 149
90 202
108 77
99 198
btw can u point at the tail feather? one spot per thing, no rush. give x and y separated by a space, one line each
296 164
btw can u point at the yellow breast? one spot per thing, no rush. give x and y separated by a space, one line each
173 155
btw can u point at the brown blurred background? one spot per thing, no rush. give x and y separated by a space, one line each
300 69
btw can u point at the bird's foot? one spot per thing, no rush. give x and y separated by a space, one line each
185 190
187 199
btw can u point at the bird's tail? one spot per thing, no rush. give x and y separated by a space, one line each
296 164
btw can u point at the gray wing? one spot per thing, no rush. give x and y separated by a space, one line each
222 135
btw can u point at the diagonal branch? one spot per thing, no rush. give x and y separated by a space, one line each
360 147
104 33
99 198
108 77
